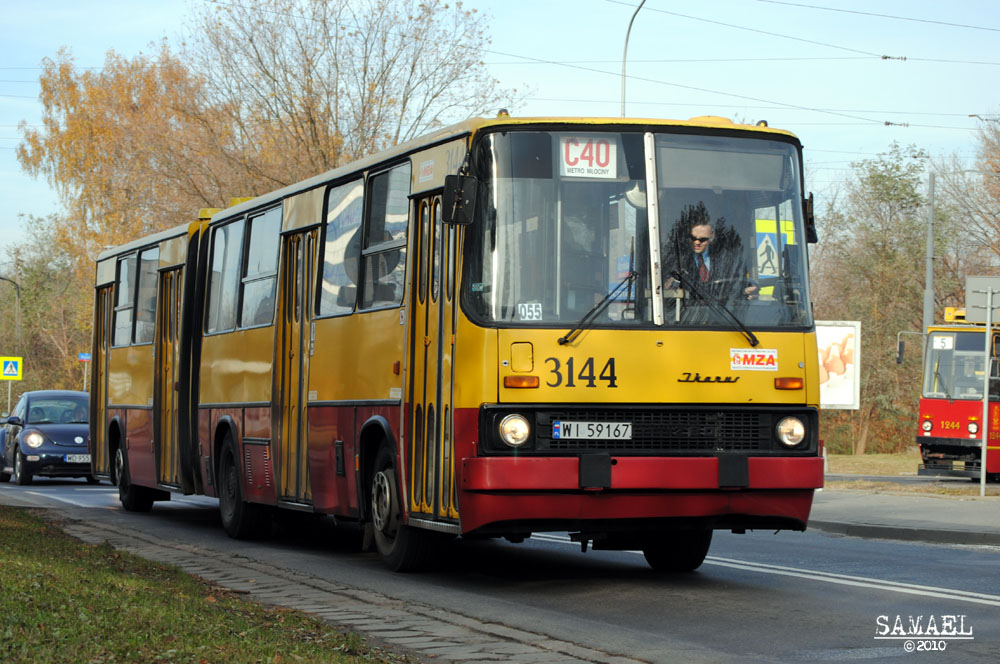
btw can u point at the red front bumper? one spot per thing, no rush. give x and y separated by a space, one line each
495 490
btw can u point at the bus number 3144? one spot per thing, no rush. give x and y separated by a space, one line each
567 376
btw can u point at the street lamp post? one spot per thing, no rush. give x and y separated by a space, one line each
625 52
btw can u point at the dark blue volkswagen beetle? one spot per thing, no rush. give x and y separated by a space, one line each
47 435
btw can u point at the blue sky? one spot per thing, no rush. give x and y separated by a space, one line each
813 71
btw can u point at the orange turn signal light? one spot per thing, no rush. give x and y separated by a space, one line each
788 383
520 381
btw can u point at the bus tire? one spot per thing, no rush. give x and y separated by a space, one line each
401 547
240 519
678 551
21 476
133 498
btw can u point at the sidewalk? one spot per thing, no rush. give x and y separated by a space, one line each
923 518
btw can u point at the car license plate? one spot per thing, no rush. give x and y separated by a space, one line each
592 430
77 458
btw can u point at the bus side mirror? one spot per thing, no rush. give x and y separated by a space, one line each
458 203
810 219
899 351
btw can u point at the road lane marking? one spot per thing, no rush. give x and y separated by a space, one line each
62 500
826 577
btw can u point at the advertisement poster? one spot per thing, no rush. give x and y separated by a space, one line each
839 345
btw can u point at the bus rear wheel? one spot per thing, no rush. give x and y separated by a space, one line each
241 519
401 547
133 498
679 551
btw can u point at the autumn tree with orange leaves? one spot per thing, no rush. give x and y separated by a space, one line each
266 93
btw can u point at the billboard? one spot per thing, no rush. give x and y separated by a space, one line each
839 346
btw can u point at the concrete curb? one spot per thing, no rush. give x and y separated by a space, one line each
907 534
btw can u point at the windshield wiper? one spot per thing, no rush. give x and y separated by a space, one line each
595 311
944 385
688 284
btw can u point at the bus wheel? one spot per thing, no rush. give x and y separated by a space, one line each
401 547
680 551
133 498
241 520
21 477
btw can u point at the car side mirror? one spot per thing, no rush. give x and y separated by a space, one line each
16 421
899 351
458 202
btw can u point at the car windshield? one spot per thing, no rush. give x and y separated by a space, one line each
563 220
58 410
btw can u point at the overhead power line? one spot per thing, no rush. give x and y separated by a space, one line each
897 18
754 30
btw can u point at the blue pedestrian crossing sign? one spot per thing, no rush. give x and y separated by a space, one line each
10 368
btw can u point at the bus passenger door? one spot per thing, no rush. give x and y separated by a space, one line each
292 365
430 377
99 382
167 371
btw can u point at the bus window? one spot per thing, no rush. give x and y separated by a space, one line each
227 243
261 270
384 255
342 244
125 290
145 308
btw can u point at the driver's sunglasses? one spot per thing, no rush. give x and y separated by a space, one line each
695 238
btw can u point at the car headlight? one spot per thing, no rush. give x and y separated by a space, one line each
791 431
973 427
33 439
926 425
514 430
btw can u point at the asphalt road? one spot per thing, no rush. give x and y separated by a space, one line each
760 597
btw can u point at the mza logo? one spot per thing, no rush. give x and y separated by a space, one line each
753 359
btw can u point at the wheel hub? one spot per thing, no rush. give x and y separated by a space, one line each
381 501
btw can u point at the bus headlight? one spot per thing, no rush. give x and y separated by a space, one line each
791 431
926 425
514 430
973 427
33 439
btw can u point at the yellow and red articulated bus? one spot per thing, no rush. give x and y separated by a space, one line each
505 327
950 434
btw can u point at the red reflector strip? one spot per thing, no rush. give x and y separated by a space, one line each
788 383
520 381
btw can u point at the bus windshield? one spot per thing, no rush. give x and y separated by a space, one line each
563 224
953 368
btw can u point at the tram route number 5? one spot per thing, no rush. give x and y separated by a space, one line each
567 375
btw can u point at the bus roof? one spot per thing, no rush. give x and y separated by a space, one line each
464 128
475 125
149 240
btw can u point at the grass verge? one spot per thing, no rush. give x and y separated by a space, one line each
66 601
956 487
904 463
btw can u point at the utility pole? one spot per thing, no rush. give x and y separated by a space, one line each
929 258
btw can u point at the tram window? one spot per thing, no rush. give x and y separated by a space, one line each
145 308
260 273
227 245
124 299
342 244
384 255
